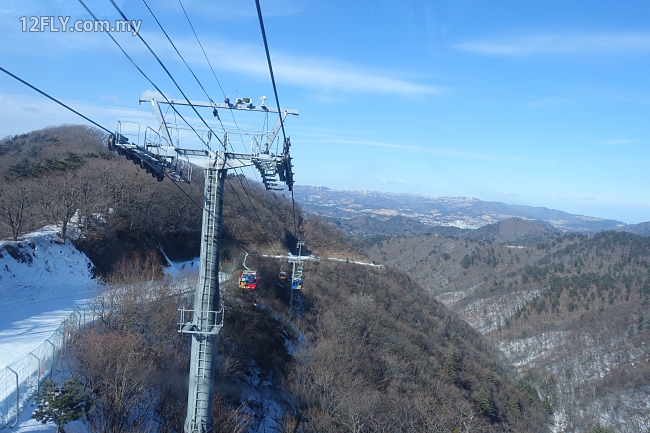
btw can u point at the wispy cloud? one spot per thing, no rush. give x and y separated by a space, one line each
23 113
617 142
224 10
391 182
576 199
617 43
510 194
112 98
428 150
322 75
151 94
547 103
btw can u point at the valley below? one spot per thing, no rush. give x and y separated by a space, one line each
473 316
571 314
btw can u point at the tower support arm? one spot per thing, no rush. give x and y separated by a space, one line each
228 106
274 132
161 122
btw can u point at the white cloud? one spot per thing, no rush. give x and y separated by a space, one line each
617 43
23 113
385 181
617 142
547 103
510 194
323 75
320 74
232 9
151 94
112 98
426 150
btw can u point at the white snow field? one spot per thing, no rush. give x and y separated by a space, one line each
42 280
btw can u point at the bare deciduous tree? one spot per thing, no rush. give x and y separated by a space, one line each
17 204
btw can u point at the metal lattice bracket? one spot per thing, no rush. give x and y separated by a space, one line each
162 155
189 318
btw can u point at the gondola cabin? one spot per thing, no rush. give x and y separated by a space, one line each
283 275
248 280
296 284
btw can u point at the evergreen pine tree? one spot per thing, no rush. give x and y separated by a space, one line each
448 367
513 406
61 404
483 401
598 428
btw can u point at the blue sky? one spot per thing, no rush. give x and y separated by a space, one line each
536 103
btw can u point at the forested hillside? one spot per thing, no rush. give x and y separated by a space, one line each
570 313
364 349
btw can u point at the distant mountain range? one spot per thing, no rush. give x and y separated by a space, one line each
366 213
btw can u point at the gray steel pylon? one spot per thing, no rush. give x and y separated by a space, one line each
162 156
206 303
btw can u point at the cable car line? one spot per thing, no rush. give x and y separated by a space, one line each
268 58
110 132
206 56
94 123
145 76
209 98
277 100
160 91
170 75
215 77
53 99
176 49
208 60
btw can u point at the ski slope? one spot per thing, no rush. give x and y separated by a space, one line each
42 279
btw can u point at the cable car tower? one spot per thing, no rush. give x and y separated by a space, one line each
169 151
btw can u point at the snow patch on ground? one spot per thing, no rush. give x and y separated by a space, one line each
488 314
525 351
450 298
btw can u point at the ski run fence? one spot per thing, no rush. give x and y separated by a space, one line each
21 379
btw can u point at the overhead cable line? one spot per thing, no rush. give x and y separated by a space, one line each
206 56
86 118
54 99
177 52
110 132
211 68
268 58
147 78
169 74
210 99
277 100
188 66
208 96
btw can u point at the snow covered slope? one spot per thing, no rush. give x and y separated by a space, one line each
42 279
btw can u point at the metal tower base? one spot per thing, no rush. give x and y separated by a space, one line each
205 324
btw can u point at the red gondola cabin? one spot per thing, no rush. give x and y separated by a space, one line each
248 280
